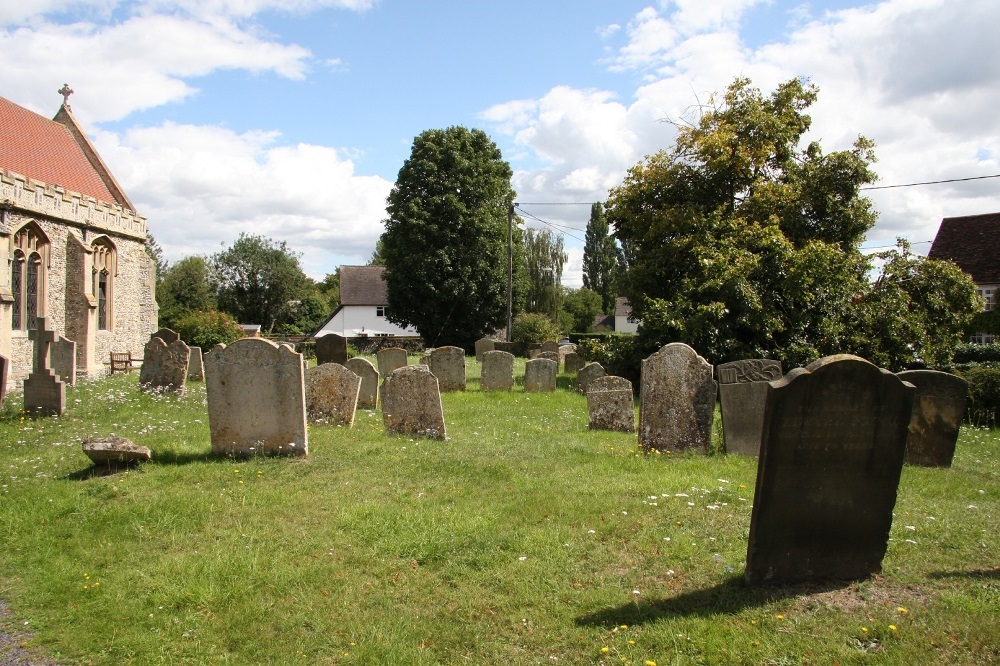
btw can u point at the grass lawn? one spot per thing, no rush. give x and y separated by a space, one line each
522 539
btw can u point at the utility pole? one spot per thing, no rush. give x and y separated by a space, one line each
510 268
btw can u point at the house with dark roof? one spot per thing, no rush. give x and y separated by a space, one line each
364 304
72 246
973 242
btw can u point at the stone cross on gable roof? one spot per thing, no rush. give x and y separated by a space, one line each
65 91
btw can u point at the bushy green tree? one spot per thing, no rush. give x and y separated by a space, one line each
445 239
186 286
600 259
581 306
533 327
544 261
205 329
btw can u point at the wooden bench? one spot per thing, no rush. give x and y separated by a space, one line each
121 362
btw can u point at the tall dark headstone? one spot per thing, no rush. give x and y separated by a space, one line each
331 348
829 466
742 391
938 411
44 392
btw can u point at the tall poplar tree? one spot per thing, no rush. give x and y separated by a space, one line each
600 259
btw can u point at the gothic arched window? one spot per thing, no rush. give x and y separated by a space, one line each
105 269
28 276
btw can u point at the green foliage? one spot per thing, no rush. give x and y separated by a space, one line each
445 239
600 259
206 329
986 322
544 259
533 327
582 306
329 288
155 252
186 286
979 354
618 354
258 277
306 315
984 395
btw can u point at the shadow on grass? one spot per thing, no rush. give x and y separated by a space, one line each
169 458
971 573
727 598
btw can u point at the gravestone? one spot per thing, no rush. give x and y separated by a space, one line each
4 371
552 356
44 392
677 400
534 349
115 451
62 358
498 371
484 345
331 348
196 365
389 359
611 404
166 335
742 391
572 362
164 367
938 410
368 393
332 393
540 375
550 346
587 374
256 399
448 365
829 466
411 403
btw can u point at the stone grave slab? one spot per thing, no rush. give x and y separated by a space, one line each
331 348
368 393
62 359
938 411
256 399
389 359
167 335
44 392
164 367
332 394
677 400
448 365
550 346
611 404
115 451
411 403
498 371
484 345
587 374
540 375
572 363
828 471
742 391
196 365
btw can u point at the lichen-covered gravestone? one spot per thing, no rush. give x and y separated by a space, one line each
938 411
572 362
587 374
256 399
44 392
62 358
550 346
828 471
677 400
331 348
411 403
484 345
368 394
111 452
196 365
164 367
742 391
610 404
448 365
552 356
389 360
540 375
332 393
498 371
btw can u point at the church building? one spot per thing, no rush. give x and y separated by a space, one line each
72 246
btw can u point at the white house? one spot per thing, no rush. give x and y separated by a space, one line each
363 306
624 321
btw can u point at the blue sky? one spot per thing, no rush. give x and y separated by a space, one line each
291 118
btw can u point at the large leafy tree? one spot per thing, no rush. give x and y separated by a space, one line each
445 240
186 286
600 259
258 280
544 261
738 241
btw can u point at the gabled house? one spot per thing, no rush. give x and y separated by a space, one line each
364 304
72 246
624 321
973 242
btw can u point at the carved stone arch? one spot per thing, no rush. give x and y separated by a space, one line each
31 238
104 266
31 259
105 254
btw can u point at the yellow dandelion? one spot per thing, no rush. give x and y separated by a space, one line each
756 643
631 642
902 610
624 626
650 662
864 630
605 650
780 616
892 627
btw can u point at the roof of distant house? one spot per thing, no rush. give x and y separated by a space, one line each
972 242
55 152
363 285
622 307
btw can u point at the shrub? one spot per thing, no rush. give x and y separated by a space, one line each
207 329
984 395
531 327
619 354
970 353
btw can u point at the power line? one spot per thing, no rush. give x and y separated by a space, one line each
551 224
930 182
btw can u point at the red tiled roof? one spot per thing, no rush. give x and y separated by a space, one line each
45 150
363 285
972 242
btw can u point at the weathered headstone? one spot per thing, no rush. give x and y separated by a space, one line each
368 394
256 399
62 358
540 375
4 371
572 362
828 471
448 365
167 335
332 393
44 392
677 400
550 346
742 391
611 404
552 356
587 374
484 345
938 411
196 365
389 359
164 367
498 371
115 451
331 348
411 403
